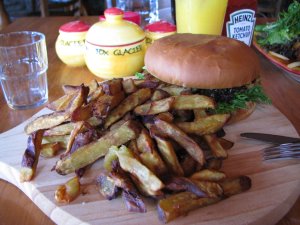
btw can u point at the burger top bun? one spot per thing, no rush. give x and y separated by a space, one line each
202 61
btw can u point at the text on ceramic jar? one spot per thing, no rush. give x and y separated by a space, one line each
72 43
119 52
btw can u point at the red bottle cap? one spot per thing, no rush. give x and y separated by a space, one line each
113 11
75 26
161 26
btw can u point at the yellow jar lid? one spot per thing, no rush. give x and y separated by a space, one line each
114 31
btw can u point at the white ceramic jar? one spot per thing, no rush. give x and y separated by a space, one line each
115 47
158 30
70 44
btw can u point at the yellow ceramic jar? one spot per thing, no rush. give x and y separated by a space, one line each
115 47
70 44
158 30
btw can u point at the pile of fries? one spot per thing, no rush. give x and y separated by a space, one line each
157 140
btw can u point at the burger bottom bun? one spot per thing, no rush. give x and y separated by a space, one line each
241 114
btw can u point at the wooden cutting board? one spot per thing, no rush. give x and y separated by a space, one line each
275 185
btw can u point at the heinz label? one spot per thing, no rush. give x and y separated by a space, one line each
241 25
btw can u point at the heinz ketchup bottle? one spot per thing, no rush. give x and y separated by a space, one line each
240 20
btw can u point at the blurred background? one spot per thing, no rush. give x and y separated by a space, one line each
21 8
13 9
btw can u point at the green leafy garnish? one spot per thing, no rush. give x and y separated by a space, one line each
282 31
139 75
240 99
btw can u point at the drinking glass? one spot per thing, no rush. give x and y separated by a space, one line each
148 9
200 16
23 66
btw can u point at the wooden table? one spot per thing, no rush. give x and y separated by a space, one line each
284 92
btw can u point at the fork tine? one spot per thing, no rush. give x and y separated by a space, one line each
289 146
282 157
274 150
283 151
284 146
295 144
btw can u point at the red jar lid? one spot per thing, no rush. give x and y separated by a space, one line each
113 11
129 16
133 17
161 26
75 26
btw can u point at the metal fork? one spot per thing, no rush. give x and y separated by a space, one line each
283 151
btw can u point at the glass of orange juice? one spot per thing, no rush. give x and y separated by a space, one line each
200 16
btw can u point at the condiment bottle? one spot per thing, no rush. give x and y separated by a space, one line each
70 44
240 20
115 47
158 30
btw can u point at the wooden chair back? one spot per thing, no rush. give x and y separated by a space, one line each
4 18
67 8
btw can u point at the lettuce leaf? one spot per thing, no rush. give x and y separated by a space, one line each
282 31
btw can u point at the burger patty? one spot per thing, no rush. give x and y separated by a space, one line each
222 95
